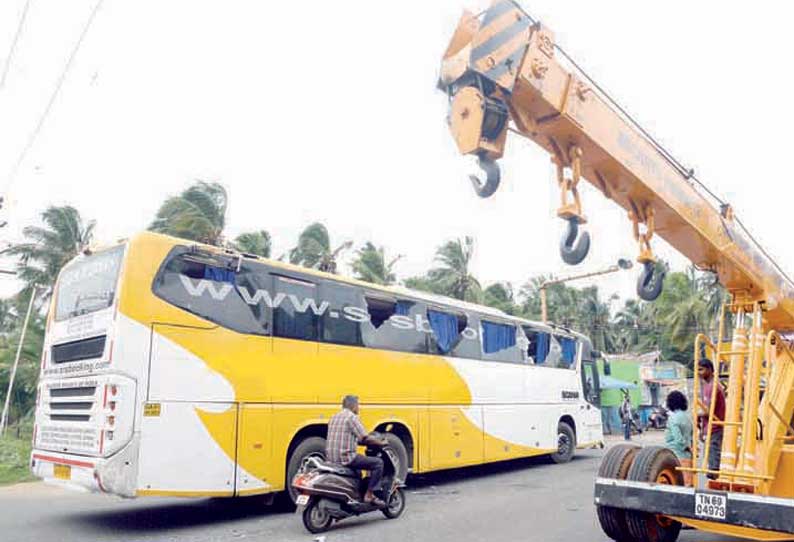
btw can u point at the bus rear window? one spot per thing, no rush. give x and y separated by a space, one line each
88 285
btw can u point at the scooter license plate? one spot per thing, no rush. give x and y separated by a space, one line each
302 500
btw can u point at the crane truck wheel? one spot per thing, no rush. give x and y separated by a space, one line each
615 465
657 465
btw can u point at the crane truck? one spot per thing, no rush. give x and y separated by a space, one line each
505 74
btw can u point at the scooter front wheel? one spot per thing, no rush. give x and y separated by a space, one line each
316 518
396 505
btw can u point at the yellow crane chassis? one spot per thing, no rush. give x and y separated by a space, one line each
745 515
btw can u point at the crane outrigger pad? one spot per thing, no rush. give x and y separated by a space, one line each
740 509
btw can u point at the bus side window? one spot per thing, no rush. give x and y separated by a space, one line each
341 321
469 344
392 324
567 352
446 330
499 342
297 316
539 348
207 286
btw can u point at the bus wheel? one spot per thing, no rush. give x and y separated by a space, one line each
615 465
308 448
658 465
566 443
396 444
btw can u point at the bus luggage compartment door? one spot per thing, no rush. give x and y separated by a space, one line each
189 416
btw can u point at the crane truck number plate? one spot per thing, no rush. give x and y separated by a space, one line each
710 505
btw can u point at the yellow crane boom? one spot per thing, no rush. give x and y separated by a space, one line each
504 73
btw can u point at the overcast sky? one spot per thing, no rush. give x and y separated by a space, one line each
328 111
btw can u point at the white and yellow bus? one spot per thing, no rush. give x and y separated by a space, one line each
178 369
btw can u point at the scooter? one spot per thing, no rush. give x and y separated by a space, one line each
328 492
658 418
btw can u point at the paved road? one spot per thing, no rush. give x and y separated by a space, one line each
523 500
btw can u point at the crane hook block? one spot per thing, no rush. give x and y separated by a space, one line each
492 177
574 247
650 282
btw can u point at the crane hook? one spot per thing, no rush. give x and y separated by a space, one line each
574 250
650 282
492 177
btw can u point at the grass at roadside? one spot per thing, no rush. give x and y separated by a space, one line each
14 457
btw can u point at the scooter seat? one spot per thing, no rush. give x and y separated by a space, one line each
335 468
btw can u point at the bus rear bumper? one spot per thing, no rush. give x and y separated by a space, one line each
742 510
116 475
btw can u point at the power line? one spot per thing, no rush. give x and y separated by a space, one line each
14 44
32 137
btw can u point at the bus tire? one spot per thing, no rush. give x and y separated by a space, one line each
658 465
615 465
396 444
566 443
308 447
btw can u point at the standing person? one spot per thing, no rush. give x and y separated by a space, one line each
345 433
678 435
707 383
626 415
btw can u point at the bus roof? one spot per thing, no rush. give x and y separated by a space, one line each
392 290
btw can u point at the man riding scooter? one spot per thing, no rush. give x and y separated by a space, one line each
345 433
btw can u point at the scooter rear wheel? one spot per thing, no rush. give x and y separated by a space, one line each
396 505
315 518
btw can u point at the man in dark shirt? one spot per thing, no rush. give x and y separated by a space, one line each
345 433
707 382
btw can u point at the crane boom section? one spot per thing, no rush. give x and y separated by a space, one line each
503 67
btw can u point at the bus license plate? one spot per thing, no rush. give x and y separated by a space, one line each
710 505
62 472
302 500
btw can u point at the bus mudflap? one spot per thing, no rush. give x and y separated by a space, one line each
719 507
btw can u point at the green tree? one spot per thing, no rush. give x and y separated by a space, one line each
198 213
8 316
631 323
256 242
562 301
423 284
453 276
499 295
314 249
371 265
593 319
47 248
23 397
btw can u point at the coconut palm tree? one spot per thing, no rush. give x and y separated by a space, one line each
370 265
8 316
256 242
198 213
628 322
453 276
47 248
593 319
314 249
